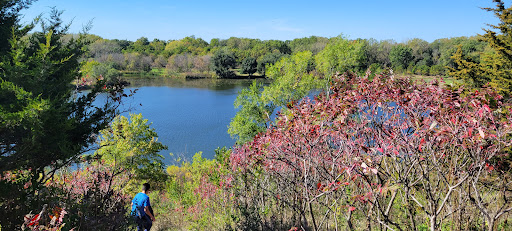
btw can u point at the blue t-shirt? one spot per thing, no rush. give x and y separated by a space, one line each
140 201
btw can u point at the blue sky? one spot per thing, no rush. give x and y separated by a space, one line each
167 19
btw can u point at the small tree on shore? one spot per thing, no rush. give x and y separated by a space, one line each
249 66
223 61
131 146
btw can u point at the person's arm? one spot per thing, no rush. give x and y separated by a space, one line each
151 210
146 209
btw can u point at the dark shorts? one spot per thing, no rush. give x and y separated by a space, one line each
143 223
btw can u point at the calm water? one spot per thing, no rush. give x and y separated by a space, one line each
188 115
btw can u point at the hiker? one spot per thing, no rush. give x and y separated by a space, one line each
141 209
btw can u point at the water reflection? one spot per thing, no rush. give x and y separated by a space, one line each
188 115
211 84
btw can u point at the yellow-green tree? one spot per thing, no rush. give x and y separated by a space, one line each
292 79
341 55
132 146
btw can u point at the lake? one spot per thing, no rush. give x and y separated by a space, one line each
188 115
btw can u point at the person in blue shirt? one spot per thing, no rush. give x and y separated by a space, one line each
141 209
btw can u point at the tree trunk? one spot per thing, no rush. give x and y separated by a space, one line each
312 216
304 222
490 224
432 223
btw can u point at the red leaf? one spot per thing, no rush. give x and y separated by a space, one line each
34 220
487 108
421 143
470 132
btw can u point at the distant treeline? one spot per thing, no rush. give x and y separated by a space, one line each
192 55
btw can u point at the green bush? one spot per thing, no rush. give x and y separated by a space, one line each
194 196
437 70
422 70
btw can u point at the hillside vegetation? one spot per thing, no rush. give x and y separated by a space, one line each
340 138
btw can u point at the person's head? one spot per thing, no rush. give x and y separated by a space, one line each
145 187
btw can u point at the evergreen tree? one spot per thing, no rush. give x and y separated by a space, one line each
44 123
9 21
495 67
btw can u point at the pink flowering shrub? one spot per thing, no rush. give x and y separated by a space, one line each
94 197
392 153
